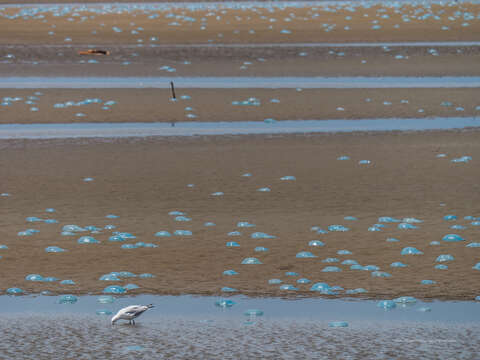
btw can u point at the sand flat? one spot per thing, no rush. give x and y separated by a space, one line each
154 105
141 180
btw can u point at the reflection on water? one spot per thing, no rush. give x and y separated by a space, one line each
194 327
92 337
218 82
84 130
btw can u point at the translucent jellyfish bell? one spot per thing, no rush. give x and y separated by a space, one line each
225 303
441 267
261 235
349 262
336 324
67 299
444 257
114 289
109 277
67 282
330 260
182 218
230 272
303 281
405 300
453 238
428 282
131 286
450 217
260 249
291 273
73 228
288 287
288 178
331 269
406 226
146 276
321 287
344 252
245 224
398 264
129 246
182 233
316 243
163 233
476 266
116 238
305 254
34 277
337 228
380 274
386 304
356 291
250 261
54 249
14 291
228 289
87 240
411 251
233 244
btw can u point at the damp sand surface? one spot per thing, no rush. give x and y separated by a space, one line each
185 326
253 39
63 336
214 105
141 180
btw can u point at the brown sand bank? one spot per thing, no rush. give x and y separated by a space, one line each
154 105
271 24
293 60
142 180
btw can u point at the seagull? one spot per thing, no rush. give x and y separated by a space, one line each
130 313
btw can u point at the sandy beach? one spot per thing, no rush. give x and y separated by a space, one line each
142 180
155 105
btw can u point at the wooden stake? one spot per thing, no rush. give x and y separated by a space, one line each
173 90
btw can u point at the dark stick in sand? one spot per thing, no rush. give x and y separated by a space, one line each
173 90
173 97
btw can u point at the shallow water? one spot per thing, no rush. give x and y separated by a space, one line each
193 327
244 82
50 131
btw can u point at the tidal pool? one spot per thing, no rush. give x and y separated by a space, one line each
192 327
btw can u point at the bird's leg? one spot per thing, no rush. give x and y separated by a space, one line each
129 322
133 321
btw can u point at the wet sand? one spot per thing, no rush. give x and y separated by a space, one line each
154 105
250 23
142 180
268 60
65 336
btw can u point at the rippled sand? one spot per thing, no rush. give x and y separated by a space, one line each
86 337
